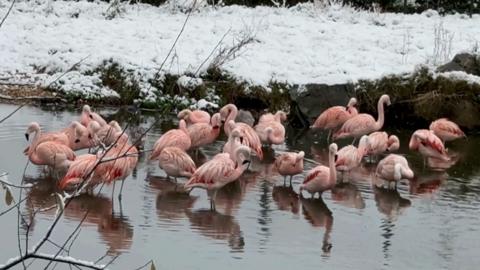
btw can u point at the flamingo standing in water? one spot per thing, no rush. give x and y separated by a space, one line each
204 133
289 164
194 117
379 142
335 116
392 169
321 178
270 129
106 134
350 157
176 162
88 115
428 144
250 137
50 153
234 141
446 130
218 172
174 137
363 124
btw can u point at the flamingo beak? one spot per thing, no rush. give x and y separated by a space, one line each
27 136
336 157
91 117
77 140
241 140
246 162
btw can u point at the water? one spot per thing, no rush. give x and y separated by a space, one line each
429 223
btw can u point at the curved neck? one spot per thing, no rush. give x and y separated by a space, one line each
331 165
231 116
381 116
397 172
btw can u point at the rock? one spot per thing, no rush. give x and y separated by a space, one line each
308 101
245 117
465 62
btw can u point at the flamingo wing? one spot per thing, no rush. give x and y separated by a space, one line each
316 172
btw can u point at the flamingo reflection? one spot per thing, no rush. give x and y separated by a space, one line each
427 184
348 195
286 198
318 214
390 203
217 226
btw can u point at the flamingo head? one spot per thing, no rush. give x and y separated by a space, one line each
86 109
386 100
183 114
94 126
393 143
216 120
32 127
236 133
333 148
351 103
225 111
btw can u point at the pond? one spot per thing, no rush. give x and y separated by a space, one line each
431 222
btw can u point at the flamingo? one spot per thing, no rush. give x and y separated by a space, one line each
321 178
392 169
250 138
335 116
289 164
39 137
272 132
379 142
174 137
218 172
363 124
194 117
234 141
80 169
176 162
50 153
428 144
204 133
279 116
106 133
446 130
88 115
350 156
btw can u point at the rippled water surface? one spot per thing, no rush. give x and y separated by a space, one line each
432 222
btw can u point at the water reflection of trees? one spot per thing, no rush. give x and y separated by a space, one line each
114 230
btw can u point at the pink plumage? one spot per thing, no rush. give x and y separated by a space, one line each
176 163
194 117
204 133
428 144
174 137
446 130
321 178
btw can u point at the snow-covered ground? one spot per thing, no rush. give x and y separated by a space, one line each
302 44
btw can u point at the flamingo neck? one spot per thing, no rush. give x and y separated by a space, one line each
231 116
397 172
331 165
381 116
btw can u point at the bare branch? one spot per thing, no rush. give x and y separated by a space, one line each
8 12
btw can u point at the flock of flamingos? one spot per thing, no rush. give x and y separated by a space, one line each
117 156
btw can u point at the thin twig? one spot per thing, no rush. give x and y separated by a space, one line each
8 12
10 114
145 265
213 51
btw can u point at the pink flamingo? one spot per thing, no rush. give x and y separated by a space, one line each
392 169
80 169
174 137
446 130
50 153
234 141
88 115
176 163
106 133
428 144
249 136
272 132
218 172
363 124
279 116
321 178
289 164
335 116
204 133
81 137
379 142
194 117
39 137
350 157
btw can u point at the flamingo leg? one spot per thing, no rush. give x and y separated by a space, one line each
284 180
354 140
212 200
291 176
329 136
121 189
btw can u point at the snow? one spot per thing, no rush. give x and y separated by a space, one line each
189 82
299 45
460 76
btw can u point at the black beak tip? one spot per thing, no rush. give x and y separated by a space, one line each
246 162
91 117
77 140
26 136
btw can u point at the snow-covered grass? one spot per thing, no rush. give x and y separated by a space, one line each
300 45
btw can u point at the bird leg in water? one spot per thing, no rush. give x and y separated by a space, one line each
121 189
291 176
284 180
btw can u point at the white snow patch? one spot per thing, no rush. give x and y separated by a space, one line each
460 76
298 45
203 104
189 82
